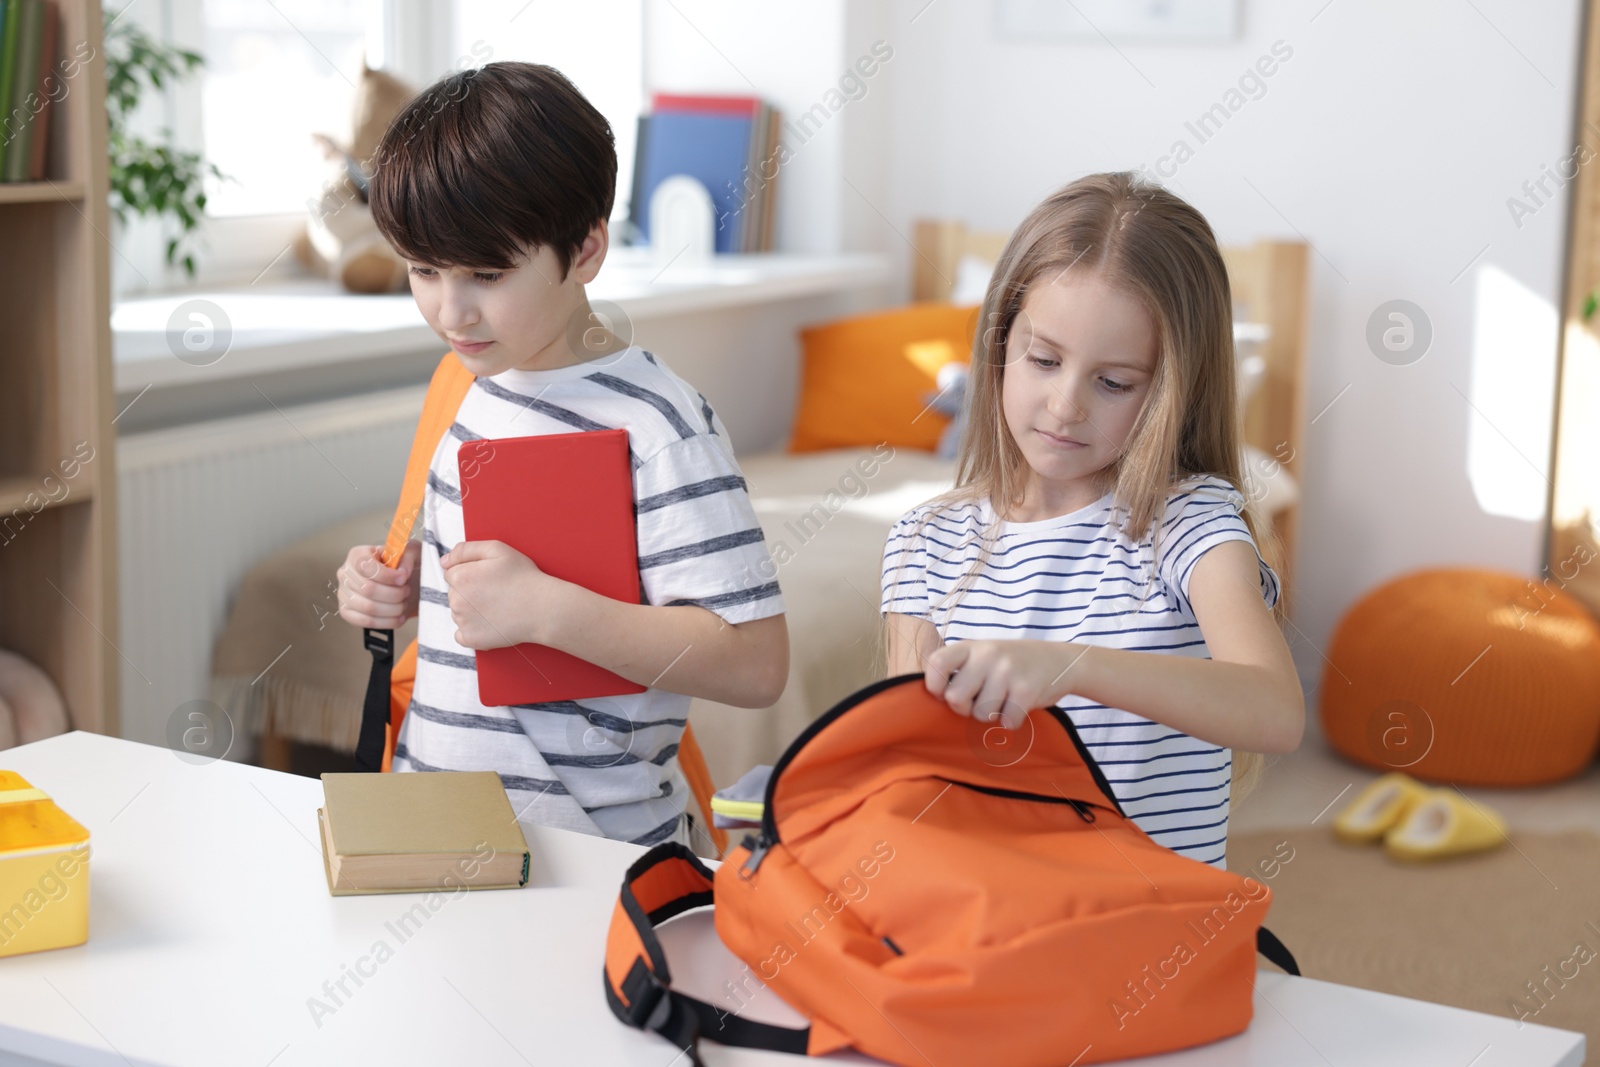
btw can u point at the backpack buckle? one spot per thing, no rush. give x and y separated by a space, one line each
648 1004
380 642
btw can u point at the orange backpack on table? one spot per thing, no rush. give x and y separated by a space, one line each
921 897
390 684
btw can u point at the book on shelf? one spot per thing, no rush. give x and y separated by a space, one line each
29 30
416 832
727 143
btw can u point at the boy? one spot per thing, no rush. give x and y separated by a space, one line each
495 186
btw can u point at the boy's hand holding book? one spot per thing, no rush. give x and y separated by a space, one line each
379 597
500 597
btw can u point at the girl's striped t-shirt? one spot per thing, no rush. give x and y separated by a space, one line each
1077 577
605 766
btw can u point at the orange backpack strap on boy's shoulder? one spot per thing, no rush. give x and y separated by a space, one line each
446 389
390 684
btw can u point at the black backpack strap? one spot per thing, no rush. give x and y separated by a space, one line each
665 882
1268 945
375 709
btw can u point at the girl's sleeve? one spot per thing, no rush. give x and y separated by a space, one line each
904 587
1200 516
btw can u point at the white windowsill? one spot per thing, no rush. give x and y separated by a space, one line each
289 324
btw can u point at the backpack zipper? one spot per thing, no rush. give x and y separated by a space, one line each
769 827
1089 761
758 849
1084 809
758 846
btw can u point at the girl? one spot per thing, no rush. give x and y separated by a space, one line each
1097 552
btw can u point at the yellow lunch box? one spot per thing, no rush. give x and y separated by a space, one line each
44 871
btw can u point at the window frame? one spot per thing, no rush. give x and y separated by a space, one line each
245 249
418 46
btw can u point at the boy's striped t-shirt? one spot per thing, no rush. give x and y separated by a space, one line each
604 766
1078 577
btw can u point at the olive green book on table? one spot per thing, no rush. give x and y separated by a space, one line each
411 832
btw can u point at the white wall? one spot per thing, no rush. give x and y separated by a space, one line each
1391 138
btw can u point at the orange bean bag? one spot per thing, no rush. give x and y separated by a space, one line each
1466 676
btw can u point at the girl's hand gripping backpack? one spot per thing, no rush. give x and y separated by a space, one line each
929 888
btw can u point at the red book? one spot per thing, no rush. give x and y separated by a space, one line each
565 501
747 106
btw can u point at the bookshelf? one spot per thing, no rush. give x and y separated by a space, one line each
58 579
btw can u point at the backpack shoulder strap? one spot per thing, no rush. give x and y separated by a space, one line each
668 881
692 761
449 385
446 390
1268 945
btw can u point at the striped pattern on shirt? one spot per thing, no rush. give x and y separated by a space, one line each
604 766
1077 577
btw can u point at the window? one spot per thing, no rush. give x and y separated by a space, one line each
274 74
277 73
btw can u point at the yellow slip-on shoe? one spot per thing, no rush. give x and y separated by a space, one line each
1445 823
1379 808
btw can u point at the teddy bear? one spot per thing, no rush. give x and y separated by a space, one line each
31 707
340 240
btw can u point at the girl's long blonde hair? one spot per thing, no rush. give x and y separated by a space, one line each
1147 242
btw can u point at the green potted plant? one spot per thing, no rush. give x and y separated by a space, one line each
150 179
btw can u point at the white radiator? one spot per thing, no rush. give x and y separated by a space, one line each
199 505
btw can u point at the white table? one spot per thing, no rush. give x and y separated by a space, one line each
211 928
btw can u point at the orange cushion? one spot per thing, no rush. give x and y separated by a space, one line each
867 379
1465 675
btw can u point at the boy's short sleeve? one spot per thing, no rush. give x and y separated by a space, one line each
700 542
904 587
1200 516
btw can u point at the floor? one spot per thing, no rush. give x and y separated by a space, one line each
1313 784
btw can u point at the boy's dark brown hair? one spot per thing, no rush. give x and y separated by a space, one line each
489 160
